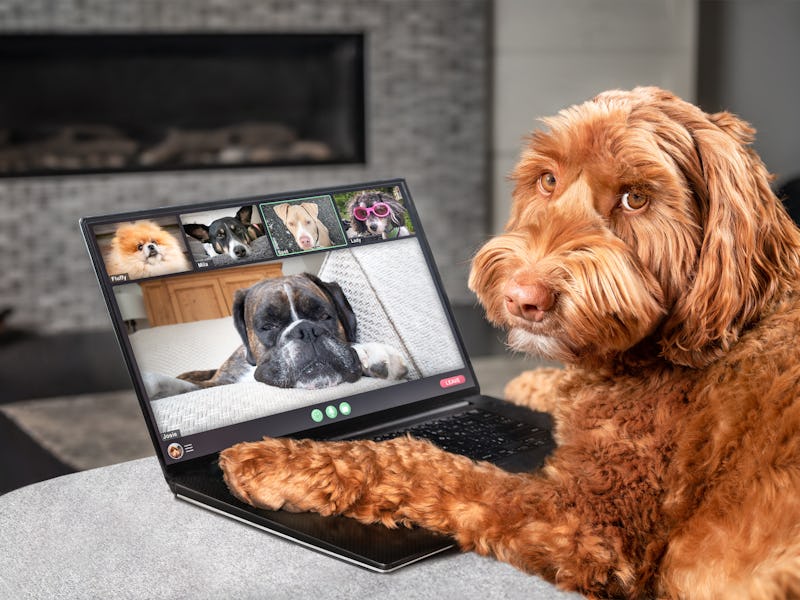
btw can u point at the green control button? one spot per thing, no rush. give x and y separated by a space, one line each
345 409
331 412
317 416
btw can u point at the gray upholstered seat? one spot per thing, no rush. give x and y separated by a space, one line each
118 532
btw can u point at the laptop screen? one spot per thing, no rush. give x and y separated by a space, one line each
273 315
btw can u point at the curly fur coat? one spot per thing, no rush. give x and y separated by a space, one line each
647 252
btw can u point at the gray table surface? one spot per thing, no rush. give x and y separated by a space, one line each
118 532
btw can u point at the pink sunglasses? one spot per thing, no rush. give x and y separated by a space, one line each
379 209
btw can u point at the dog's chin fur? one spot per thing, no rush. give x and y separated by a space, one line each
317 375
521 340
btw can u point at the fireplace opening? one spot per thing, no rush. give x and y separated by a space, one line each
130 102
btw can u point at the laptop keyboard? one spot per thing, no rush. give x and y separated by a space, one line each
477 434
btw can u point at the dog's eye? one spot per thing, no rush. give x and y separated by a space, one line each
140 246
547 183
633 200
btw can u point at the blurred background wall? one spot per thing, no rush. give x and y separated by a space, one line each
452 86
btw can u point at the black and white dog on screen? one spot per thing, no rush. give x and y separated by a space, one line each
228 235
297 331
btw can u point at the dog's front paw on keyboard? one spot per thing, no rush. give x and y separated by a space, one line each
381 360
296 475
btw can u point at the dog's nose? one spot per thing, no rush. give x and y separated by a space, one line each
240 251
307 331
529 301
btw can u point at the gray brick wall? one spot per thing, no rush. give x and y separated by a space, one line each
427 121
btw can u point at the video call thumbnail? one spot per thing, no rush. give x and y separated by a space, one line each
145 248
227 237
303 224
374 214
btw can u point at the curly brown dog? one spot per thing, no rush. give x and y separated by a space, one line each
646 251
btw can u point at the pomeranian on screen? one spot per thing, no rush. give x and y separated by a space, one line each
143 249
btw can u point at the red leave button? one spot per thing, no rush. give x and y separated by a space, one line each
451 381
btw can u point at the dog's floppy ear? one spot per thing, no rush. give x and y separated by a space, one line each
255 230
343 309
748 254
282 210
197 231
311 208
398 214
239 322
244 214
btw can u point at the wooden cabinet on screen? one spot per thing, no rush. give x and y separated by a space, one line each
203 295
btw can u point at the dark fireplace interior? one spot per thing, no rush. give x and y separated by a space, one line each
100 103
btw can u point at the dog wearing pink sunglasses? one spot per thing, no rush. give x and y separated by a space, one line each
373 212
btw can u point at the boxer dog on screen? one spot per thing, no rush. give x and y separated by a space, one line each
297 332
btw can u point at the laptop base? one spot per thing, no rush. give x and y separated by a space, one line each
374 547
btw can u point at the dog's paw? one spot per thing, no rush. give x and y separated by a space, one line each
253 472
535 389
293 475
380 360
158 385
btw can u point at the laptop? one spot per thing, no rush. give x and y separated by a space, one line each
185 285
